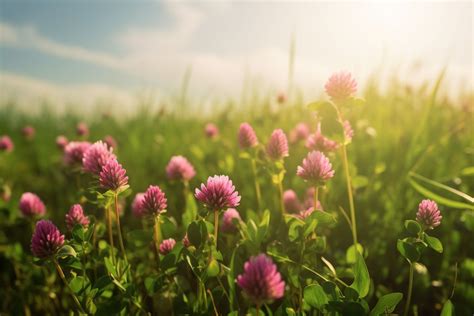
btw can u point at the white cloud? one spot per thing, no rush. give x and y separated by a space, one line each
28 37
82 98
159 56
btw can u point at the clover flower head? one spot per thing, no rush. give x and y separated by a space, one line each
218 193
261 281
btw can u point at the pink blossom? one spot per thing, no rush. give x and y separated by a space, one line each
291 201
218 193
74 152
185 241
31 205
229 218
96 156
61 142
28 132
82 129
137 205
6 144
348 131
113 176
167 246
318 141
341 86
247 136
179 168
300 132
277 147
261 281
315 168
154 201
211 130
76 216
46 239
305 213
428 214
110 141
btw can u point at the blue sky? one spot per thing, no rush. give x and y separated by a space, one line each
70 48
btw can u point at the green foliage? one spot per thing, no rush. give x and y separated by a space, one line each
386 304
315 296
361 276
400 135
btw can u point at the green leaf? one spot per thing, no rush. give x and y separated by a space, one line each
361 276
408 251
290 311
78 233
386 304
213 268
109 266
351 253
168 225
77 283
315 296
197 233
191 210
448 309
168 261
66 251
353 309
351 294
413 227
438 198
90 306
444 187
89 232
354 102
151 285
434 243
323 218
295 229
102 282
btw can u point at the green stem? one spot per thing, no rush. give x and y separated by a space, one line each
345 163
258 309
185 194
410 289
257 186
84 262
316 189
157 236
122 247
111 237
280 190
63 277
216 225
349 193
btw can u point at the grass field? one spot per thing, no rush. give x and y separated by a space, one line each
409 144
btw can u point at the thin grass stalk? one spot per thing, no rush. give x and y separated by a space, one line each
122 247
410 289
63 277
111 237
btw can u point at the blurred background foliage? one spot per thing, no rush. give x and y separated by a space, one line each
398 132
